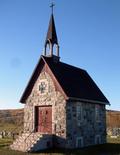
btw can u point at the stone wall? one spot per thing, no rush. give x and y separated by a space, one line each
50 97
86 131
70 132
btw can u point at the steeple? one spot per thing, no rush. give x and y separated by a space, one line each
51 34
51 42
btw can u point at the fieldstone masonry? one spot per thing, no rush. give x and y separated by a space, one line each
89 128
51 97
67 130
64 117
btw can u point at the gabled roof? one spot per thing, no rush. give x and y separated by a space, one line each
75 82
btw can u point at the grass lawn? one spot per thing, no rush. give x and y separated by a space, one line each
5 142
113 140
113 146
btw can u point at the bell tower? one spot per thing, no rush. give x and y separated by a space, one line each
51 47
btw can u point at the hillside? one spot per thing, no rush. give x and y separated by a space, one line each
113 119
11 120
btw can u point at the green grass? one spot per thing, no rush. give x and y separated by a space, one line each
5 142
113 140
113 146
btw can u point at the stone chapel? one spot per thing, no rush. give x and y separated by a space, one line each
63 106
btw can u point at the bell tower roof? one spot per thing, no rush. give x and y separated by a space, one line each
51 34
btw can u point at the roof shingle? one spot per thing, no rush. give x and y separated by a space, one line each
76 82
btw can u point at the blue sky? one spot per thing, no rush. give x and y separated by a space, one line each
89 37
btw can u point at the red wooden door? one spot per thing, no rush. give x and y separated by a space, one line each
45 119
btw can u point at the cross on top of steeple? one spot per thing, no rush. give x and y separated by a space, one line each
52 6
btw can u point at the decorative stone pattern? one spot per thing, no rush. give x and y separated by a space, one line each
90 131
50 97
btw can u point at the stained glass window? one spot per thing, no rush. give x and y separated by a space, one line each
42 87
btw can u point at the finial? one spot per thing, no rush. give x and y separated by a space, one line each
52 5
